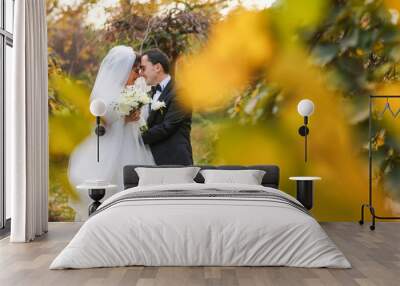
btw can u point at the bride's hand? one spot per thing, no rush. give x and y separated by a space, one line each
134 116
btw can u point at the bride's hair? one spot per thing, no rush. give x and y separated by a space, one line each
137 60
156 56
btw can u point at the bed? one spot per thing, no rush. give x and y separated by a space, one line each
198 224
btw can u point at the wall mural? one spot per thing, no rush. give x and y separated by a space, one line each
243 71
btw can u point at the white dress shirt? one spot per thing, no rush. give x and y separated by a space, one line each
163 84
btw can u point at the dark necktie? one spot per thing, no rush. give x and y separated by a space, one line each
154 89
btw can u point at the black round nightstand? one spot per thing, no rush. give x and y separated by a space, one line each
305 192
96 192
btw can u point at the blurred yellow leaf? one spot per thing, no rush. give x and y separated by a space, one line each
58 175
65 132
388 89
74 93
237 47
292 15
393 4
296 14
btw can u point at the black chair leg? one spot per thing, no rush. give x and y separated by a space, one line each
361 222
372 227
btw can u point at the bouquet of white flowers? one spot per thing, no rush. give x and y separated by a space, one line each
133 97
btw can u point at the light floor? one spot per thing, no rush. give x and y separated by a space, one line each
375 257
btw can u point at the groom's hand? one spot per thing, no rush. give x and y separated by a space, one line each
135 116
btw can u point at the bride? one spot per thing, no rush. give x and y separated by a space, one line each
122 143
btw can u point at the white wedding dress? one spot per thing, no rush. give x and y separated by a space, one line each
122 143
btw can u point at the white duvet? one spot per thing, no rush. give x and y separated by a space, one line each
200 231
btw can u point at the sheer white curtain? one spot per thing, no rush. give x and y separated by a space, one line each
27 123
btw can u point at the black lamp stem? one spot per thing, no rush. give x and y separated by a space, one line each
305 148
98 137
305 138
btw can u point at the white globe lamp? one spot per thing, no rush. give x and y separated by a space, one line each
98 108
305 108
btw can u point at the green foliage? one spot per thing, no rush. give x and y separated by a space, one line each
58 205
176 27
357 44
357 41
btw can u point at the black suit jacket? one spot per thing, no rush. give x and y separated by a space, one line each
168 131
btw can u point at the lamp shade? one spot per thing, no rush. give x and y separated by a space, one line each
305 107
98 107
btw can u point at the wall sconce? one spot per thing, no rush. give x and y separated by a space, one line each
98 108
305 108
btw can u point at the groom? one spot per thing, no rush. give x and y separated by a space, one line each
168 133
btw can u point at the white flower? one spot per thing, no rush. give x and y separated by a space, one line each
156 105
124 109
132 98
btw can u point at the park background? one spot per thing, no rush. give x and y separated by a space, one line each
245 65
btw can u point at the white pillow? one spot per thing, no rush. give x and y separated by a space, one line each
163 176
248 177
